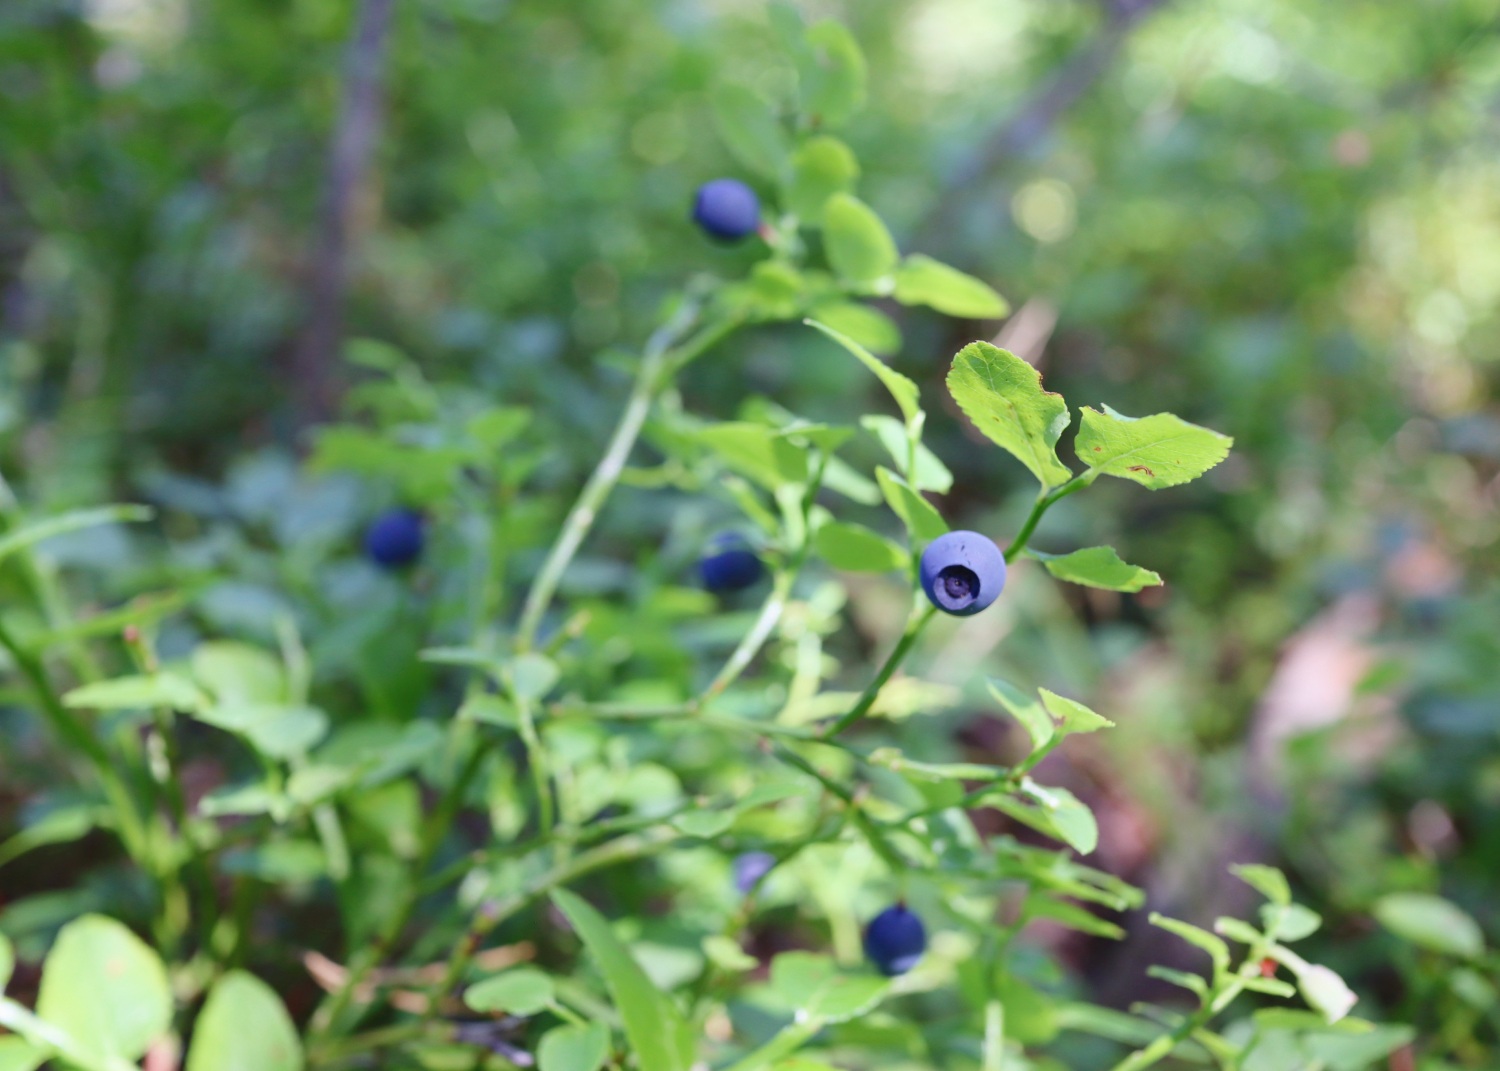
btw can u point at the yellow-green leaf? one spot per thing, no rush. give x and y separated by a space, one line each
923 281
1003 396
1156 451
1098 567
860 248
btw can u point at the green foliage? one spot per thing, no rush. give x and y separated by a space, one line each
277 747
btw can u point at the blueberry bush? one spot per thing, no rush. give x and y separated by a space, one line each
430 751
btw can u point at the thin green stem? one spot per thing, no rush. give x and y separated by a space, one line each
659 362
914 627
1044 502
78 738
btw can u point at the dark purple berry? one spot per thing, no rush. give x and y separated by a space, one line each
895 940
395 538
750 868
727 209
962 572
729 564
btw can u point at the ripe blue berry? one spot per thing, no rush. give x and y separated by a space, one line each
750 868
962 572
395 538
895 940
727 209
729 564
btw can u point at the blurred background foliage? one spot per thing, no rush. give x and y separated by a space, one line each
1278 218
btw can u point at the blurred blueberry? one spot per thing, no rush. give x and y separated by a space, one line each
395 538
750 868
895 940
727 209
729 564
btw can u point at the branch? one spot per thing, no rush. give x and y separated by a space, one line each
313 364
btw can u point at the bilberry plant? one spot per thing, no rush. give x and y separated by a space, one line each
472 780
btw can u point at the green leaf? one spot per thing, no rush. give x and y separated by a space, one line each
59 826
920 516
1003 396
655 1029
276 730
37 531
1098 567
821 167
1190 982
240 672
775 290
1290 922
1236 930
1155 451
833 75
531 676
726 954
860 249
929 474
575 1047
1432 923
18 1054
1070 817
244 1027
757 452
923 281
139 693
1272 987
1266 880
1026 709
103 985
7 961
1043 906
1074 716
1030 1015
868 326
1217 950
814 985
750 130
902 389
857 549
522 991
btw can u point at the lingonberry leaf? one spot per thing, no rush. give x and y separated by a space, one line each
1003 396
1156 451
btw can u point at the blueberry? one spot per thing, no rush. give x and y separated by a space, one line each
962 572
726 208
895 940
750 868
728 564
395 538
